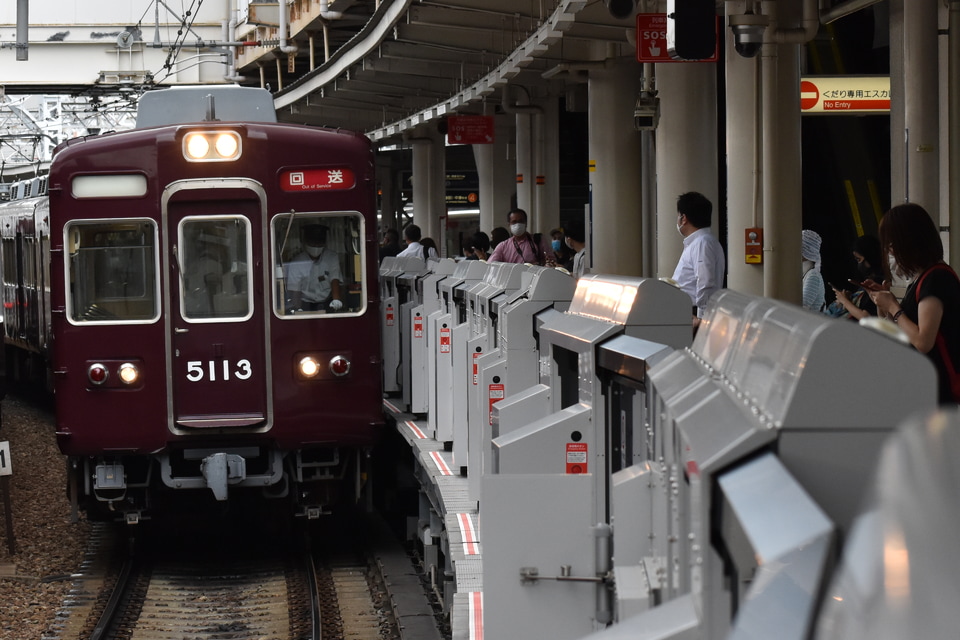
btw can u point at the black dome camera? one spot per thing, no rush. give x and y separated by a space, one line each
621 9
748 32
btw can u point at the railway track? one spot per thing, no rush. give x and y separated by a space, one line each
224 586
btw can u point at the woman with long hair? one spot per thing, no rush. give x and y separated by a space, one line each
930 310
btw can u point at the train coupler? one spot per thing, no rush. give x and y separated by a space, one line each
110 482
221 469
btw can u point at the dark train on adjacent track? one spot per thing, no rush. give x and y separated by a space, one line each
201 296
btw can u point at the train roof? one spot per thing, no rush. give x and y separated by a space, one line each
178 105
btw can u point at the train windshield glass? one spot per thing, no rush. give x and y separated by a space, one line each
318 264
214 254
112 271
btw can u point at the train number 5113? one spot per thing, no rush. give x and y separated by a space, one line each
214 370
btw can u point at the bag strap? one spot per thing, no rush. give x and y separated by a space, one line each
941 266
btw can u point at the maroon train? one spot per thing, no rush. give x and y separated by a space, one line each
200 348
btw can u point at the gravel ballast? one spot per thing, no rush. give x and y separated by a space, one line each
35 579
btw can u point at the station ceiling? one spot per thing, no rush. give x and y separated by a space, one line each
402 63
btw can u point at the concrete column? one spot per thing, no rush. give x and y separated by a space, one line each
953 127
438 187
389 193
429 181
420 177
921 113
686 149
525 171
743 157
781 170
496 171
615 176
898 174
546 210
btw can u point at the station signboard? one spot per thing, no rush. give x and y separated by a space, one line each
844 95
652 40
470 130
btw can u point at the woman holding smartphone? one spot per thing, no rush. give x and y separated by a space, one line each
929 313
866 252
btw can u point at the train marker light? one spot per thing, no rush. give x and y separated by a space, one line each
97 373
211 146
309 367
129 374
339 366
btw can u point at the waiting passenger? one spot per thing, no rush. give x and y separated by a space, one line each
930 310
412 235
857 304
813 289
481 245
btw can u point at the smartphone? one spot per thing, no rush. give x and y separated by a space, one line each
839 287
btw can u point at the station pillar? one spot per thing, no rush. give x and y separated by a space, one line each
496 169
686 150
615 244
546 165
918 143
781 171
744 207
429 181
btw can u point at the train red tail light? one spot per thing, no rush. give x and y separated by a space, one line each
97 374
339 366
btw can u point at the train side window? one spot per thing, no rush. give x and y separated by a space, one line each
318 261
214 258
112 271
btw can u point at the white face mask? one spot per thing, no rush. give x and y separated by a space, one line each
894 267
314 252
518 229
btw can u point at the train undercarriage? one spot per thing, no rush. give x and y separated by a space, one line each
130 488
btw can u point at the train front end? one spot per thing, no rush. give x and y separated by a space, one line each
201 347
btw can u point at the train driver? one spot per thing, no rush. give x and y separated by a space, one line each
313 276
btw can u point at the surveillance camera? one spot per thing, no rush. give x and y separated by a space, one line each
646 114
748 30
621 9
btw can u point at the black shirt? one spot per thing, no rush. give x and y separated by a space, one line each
939 281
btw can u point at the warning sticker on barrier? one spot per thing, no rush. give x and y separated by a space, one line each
418 326
445 340
476 367
389 315
576 457
495 396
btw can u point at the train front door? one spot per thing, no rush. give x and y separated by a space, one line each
218 363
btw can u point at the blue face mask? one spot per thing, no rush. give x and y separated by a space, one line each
555 245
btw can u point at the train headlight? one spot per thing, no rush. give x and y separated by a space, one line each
211 146
97 374
339 366
227 145
309 367
197 147
129 374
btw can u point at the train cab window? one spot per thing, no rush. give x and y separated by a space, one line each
214 255
318 264
112 271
